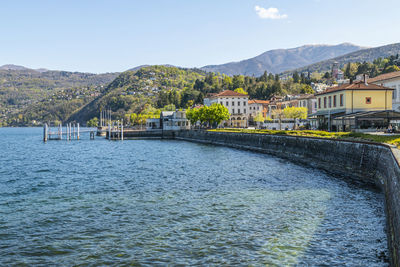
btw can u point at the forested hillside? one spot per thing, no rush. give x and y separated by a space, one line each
161 86
377 67
22 88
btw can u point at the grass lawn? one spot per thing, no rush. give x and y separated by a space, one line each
388 139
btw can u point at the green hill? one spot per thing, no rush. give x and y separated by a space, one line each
161 86
132 90
25 91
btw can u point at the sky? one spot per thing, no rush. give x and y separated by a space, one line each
115 35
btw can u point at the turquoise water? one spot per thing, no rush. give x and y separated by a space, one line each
153 202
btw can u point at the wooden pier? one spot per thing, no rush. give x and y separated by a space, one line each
111 130
72 132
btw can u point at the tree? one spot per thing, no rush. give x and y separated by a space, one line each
351 70
295 113
278 114
306 89
133 118
238 81
302 78
189 104
241 91
327 75
217 113
264 77
93 122
296 77
152 113
170 107
192 114
259 118
213 115
391 68
226 82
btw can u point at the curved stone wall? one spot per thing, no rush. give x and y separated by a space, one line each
366 162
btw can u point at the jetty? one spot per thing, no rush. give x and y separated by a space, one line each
72 132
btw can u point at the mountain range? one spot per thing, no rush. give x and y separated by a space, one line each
280 60
17 67
364 55
43 94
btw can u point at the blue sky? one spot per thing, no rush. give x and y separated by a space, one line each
115 35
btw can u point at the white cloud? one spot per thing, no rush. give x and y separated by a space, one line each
269 13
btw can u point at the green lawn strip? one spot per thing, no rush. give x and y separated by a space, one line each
388 139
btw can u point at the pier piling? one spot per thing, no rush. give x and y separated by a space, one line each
45 132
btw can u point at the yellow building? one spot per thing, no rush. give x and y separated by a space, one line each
353 98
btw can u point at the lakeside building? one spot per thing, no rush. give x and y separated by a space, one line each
391 80
308 101
169 121
351 98
258 106
237 105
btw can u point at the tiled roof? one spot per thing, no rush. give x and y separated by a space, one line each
385 76
306 96
211 94
255 101
359 85
229 93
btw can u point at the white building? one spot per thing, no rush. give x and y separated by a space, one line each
169 121
237 105
391 80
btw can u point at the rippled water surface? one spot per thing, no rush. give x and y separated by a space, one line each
153 202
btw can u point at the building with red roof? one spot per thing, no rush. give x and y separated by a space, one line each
391 80
237 105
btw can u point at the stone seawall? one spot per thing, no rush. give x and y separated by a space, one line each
143 134
366 162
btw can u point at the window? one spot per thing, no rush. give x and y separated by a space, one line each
244 103
238 103
233 111
233 103
325 102
394 95
244 111
334 101
227 103
341 100
319 102
330 101
368 100
239 111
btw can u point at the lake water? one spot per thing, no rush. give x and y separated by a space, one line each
153 202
